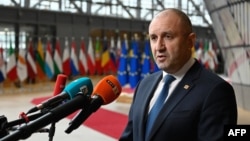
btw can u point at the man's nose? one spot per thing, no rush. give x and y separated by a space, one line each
160 44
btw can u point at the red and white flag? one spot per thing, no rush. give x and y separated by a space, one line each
91 58
66 59
83 68
30 60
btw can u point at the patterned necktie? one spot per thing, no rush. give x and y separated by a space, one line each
158 104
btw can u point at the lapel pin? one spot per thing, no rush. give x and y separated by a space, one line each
186 87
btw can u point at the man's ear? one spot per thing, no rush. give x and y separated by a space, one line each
191 39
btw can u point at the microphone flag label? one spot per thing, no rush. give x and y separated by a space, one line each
237 132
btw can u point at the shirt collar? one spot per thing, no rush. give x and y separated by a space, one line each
180 74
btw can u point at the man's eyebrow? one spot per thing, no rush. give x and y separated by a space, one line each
162 33
151 34
167 33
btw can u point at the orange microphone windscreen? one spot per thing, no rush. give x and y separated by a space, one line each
60 84
108 88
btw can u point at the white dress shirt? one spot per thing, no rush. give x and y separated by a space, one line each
178 76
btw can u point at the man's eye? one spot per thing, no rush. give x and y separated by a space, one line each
153 38
168 37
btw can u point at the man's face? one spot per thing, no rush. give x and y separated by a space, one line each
170 44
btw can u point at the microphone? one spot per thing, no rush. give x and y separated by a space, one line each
106 91
60 84
83 84
55 114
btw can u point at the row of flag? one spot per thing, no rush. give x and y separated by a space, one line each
129 60
46 61
207 53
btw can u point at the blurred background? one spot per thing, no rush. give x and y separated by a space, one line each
40 39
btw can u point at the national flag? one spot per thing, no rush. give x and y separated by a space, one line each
113 61
66 59
73 59
134 72
122 69
40 60
206 57
83 68
49 64
91 58
98 56
199 51
57 58
105 58
11 64
30 60
214 54
211 57
118 51
146 60
2 66
22 71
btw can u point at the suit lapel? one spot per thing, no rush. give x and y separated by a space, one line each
148 91
182 89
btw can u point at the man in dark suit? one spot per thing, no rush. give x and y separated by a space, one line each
199 103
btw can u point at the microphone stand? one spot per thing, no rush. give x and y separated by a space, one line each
3 130
6 126
52 128
22 120
52 131
54 115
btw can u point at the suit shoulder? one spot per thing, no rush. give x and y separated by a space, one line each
211 74
212 77
152 76
150 79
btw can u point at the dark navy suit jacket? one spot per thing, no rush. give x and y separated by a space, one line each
197 110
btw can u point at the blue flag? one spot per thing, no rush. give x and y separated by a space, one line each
122 69
134 72
146 60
